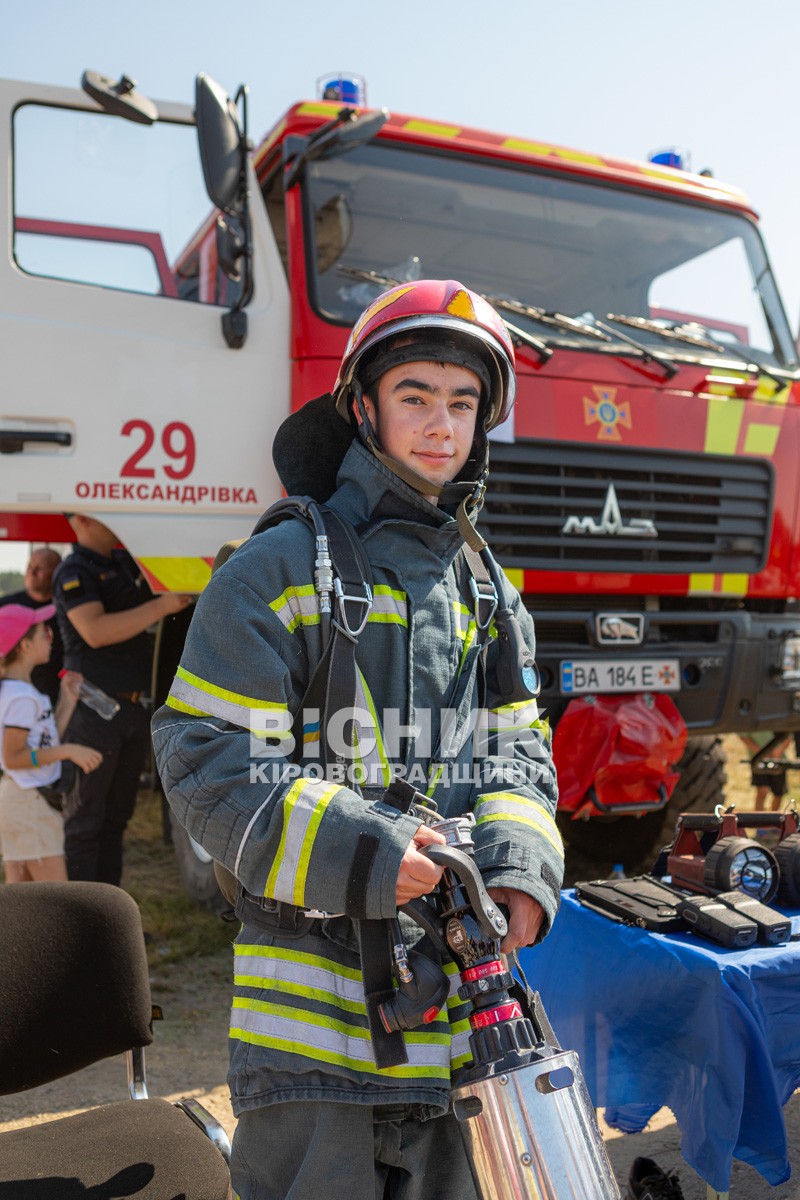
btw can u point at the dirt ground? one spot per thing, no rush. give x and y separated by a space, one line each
189 1058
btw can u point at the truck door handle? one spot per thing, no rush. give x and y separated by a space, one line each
12 441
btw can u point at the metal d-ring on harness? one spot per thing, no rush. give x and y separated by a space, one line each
512 672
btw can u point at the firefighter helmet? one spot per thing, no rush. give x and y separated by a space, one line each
449 323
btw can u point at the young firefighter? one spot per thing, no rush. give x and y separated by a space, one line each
427 372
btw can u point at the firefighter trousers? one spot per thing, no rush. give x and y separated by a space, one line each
311 1150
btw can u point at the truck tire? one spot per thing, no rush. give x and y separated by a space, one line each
701 785
635 841
196 870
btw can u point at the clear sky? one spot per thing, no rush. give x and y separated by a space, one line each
619 77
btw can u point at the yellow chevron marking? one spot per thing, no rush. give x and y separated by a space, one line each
761 439
179 574
461 306
734 585
722 426
524 147
701 585
432 129
321 108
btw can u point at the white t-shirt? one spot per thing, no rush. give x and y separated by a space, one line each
23 707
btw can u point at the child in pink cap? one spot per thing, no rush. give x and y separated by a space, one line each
31 831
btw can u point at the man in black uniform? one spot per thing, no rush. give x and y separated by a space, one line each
104 608
38 590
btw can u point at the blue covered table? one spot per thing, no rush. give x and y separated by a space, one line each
671 1019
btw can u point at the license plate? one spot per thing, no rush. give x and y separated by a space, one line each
609 675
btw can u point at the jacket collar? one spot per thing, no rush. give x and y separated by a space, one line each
369 494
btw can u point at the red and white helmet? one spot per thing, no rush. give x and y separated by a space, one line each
441 310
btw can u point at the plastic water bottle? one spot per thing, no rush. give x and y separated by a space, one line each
95 698
618 871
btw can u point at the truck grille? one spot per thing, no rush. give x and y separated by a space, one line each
546 503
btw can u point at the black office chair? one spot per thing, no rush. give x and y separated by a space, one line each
75 989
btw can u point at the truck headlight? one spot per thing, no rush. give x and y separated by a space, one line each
790 659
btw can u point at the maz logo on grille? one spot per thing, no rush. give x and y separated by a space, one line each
611 523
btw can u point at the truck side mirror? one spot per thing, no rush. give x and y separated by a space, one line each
223 148
223 151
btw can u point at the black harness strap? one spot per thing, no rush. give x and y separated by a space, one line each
332 687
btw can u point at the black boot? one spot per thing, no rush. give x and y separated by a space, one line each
646 1181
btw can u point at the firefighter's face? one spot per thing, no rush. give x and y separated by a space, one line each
425 417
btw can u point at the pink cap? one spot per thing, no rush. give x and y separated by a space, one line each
17 619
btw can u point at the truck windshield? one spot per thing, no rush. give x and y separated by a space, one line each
548 241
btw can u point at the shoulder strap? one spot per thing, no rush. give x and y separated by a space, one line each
477 588
343 583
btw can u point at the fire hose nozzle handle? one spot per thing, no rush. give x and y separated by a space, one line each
487 913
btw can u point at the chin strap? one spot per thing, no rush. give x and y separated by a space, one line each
468 495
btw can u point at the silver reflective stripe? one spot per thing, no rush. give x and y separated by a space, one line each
303 807
514 716
244 711
326 1039
460 1051
261 966
298 605
508 806
389 606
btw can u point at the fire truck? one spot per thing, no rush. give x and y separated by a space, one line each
169 294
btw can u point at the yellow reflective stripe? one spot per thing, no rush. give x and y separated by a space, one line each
279 954
734 585
509 806
318 108
222 693
290 1046
297 606
431 128
768 393
304 806
377 754
178 574
723 423
436 775
389 606
302 990
179 706
702 584
522 714
761 439
309 1017
524 147
263 718
326 1039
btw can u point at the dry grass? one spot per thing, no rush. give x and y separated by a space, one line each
176 926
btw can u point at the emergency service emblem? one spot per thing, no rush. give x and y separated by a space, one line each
607 413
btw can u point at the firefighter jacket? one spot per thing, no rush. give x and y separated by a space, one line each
225 753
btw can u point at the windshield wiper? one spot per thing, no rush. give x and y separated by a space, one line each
585 327
546 317
692 333
689 332
658 360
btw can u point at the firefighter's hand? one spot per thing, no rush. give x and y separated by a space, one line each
525 917
418 875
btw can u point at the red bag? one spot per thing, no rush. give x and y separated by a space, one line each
622 747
